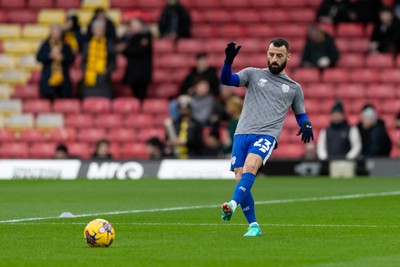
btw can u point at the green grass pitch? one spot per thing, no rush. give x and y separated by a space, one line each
302 225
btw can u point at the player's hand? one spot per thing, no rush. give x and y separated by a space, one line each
306 132
230 52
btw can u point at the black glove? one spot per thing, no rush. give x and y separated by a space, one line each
306 132
230 52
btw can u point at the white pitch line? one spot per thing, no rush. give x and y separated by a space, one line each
223 224
266 202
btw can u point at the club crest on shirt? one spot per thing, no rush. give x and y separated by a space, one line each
262 82
285 88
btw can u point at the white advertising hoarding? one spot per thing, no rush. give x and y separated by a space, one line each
39 169
195 169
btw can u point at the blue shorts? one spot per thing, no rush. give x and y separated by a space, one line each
243 144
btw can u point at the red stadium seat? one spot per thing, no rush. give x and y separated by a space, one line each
329 28
42 150
26 91
231 31
145 134
302 15
197 16
162 76
32 136
263 4
165 91
215 45
123 4
127 105
80 150
159 119
40 3
62 135
390 76
67 106
338 75
382 91
248 17
289 151
204 31
22 16
207 4
3 16
321 121
261 30
359 45
365 76
380 61
343 45
350 60
312 106
121 62
190 46
108 120
139 121
325 105
290 4
306 75
91 135
320 91
351 90
352 30
294 31
78 120
219 16
122 135
12 4
117 75
278 15
236 4
155 105
96 105
147 4
35 77
122 90
390 106
6 136
14 150
175 61
290 122
68 4
134 151
37 106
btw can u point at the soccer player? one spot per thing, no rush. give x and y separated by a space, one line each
270 93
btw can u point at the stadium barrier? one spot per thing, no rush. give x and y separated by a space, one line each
185 169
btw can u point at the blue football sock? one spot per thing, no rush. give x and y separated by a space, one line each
243 187
248 208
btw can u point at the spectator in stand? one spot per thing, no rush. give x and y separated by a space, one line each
385 34
137 48
202 103
56 57
201 71
100 15
320 49
155 148
102 150
187 140
375 139
233 109
335 11
98 63
61 152
72 34
366 11
339 140
174 21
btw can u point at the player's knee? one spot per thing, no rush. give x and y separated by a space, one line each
250 167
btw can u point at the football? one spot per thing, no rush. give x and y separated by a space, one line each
99 233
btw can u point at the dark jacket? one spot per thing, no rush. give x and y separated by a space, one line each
337 140
388 37
339 12
314 51
375 140
43 56
175 18
140 59
210 75
194 137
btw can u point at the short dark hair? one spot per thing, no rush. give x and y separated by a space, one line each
62 148
201 55
279 41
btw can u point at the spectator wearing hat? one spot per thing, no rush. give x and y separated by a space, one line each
375 139
339 140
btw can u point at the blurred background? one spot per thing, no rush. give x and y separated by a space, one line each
139 79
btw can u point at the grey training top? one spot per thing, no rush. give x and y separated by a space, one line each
267 101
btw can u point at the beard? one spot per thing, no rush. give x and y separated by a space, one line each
275 68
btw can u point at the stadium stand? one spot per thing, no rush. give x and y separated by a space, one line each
358 77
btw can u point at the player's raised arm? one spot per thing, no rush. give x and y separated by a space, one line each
227 78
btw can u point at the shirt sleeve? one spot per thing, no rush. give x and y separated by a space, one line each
355 143
321 145
244 76
298 102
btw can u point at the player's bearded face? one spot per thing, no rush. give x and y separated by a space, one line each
275 68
